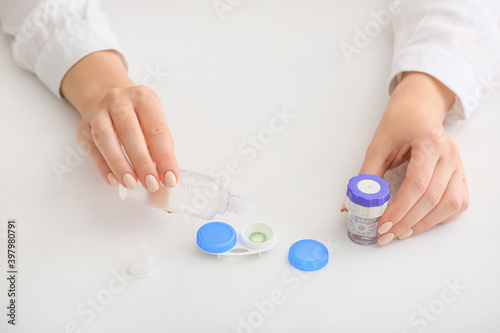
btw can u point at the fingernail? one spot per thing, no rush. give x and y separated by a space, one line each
129 181
152 183
405 235
385 227
170 179
112 179
385 239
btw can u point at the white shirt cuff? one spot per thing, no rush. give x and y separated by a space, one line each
70 45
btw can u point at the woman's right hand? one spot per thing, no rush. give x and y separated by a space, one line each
131 117
117 113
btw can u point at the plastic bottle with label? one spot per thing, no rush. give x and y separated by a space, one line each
195 194
366 201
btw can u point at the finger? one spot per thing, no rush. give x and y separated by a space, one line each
85 141
453 203
105 139
465 202
130 134
440 180
376 161
421 167
158 137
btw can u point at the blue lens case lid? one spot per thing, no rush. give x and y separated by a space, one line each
216 237
308 255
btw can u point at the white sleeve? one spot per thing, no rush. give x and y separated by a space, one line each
456 42
49 37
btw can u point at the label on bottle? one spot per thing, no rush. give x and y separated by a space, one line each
365 229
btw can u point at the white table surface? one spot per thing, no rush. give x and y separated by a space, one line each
225 78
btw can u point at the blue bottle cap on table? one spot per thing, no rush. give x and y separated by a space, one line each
216 237
368 190
308 255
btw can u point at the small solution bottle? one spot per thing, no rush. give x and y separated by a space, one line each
195 194
366 201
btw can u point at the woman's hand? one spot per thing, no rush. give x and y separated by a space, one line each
434 190
117 113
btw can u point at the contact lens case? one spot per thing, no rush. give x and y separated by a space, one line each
219 238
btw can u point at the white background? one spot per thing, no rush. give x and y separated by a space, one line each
225 78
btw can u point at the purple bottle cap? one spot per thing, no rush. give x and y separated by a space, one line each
368 190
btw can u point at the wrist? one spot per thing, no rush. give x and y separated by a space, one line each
86 83
422 96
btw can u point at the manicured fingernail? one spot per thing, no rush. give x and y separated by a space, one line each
112 179
385 227
407 234
170 180
385 239
152 183
129 181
